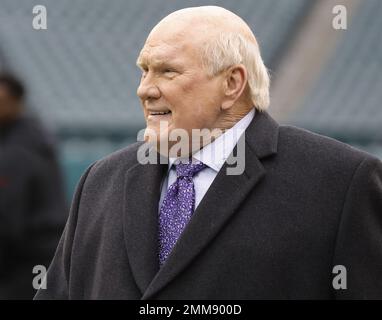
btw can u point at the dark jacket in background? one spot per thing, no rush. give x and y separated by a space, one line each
32 205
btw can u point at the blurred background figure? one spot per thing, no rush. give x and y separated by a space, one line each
32 201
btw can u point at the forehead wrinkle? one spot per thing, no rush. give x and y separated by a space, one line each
160 53
153 59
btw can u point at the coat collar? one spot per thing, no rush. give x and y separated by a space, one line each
142 193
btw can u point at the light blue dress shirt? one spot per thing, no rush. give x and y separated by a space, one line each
213 155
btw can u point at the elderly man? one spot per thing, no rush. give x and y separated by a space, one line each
302 220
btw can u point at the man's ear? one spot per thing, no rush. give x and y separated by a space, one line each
234 84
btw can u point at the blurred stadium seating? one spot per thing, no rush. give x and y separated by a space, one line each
82 77
345 101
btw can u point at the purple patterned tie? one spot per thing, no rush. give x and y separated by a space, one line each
177 207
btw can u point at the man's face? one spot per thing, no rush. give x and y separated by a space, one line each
175 82
8 105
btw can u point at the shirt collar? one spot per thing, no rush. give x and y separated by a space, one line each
216 153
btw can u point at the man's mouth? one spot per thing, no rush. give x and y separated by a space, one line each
158 113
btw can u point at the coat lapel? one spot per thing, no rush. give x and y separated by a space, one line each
142 194
220 202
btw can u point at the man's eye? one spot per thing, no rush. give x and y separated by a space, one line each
169 73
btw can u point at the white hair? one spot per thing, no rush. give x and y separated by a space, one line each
228 49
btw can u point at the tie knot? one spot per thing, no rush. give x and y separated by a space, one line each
189 169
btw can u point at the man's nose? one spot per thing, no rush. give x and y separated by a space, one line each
148 89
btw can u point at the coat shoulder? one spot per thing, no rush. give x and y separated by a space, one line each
127 156
116 163
303 143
